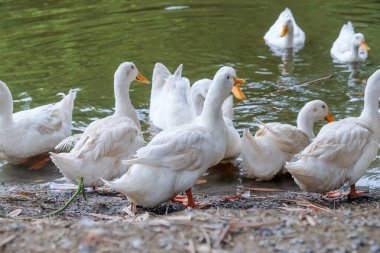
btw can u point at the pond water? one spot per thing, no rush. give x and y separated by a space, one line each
48 47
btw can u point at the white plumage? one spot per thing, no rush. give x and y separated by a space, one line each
285 33
176 157
343 150
169 105
265 154
174 103
99 150
29 133
349 46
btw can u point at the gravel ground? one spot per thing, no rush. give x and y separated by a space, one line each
256 222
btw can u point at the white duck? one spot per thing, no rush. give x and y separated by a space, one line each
349 46
27 136
198 94
343 150
176 157
285 33
265 154
175 103
169 104
99 150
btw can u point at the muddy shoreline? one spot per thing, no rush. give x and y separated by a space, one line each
257 221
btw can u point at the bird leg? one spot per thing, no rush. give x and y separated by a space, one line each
37 162
338 194
354 193
133 208
188 200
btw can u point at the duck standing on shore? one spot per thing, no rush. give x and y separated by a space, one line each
105 142
343 150
175 158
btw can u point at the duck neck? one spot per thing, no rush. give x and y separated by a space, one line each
355 51
123 105
6 110
305 123
197 103
289 37
371 105
212 114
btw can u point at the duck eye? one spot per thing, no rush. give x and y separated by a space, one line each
323 106
133 67
228 77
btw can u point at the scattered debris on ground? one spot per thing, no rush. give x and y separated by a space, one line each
257 221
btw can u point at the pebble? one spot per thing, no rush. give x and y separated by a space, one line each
357 243
87 222
266 232
352 235
267 243
165 243
137 243
297 240
375 248
308 250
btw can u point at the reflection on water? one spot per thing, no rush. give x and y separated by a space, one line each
50 47
287 65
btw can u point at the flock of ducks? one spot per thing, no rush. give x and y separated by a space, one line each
198 132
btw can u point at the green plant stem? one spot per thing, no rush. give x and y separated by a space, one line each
80 189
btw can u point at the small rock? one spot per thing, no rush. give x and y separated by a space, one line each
308 250
352 235
375 248
297 240
266 232
165 243
330 247
357 243
267 243
137 243
87 222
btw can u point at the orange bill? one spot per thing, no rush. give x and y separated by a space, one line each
236 91
329 117
364 45
284 31
141 79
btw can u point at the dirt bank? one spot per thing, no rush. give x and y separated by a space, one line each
256 222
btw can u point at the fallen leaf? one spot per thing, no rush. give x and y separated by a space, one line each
293 209
261 189
201 181
14 197
302 216
160 222
179 218
128 211
311 220
138 217
14 213
191 247
244 224
6 240
24 193
103 216
311 205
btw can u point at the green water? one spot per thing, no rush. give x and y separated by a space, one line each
48 47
